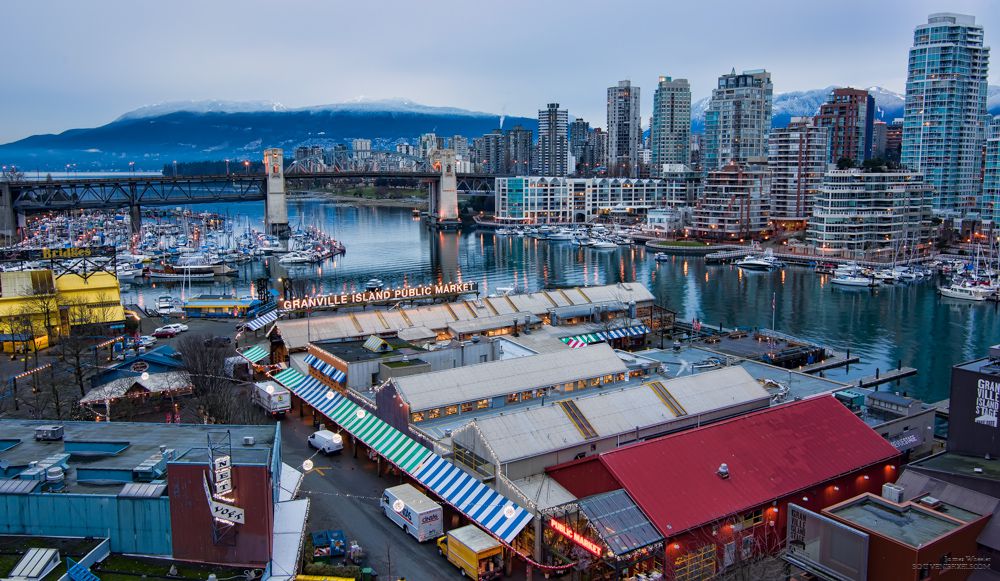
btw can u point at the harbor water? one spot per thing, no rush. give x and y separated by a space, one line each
906 323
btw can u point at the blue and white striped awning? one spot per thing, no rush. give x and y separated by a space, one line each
489 509
325 368
626 332
265 319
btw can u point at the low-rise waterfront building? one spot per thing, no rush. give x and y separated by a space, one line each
207 493
870 215
735 204
578 200
37 307
718 495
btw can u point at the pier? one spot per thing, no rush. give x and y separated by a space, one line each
888 376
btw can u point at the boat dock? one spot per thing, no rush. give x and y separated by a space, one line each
888 376
834 361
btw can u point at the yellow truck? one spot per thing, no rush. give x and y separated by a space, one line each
477 554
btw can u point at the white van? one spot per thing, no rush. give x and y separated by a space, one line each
327 442
414 512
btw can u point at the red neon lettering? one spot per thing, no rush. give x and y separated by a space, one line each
589 545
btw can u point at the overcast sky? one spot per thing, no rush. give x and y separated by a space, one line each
70 64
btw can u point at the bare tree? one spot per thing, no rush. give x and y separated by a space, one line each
42 301
219 399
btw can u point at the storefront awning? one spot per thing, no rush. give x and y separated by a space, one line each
254 354
489 509
619 522
263 320
577 341
325 368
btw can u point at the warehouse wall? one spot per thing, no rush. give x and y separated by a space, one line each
135 525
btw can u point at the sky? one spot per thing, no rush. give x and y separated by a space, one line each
71 64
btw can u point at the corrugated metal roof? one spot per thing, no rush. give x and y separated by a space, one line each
298 333
542 429
142 490
770 454
496 378
16 486
619 522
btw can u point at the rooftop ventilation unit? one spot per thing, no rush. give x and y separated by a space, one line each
930 502
37 470
723 471
151 468
892 492
47 433
248 440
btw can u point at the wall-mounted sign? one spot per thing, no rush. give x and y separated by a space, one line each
221 511
987 402
140 366
908 439
25 254
585 543
380 296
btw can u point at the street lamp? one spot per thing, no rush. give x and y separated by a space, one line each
227 166
246 164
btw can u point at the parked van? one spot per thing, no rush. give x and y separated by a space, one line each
327 442
413 512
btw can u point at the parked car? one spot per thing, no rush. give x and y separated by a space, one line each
326 441
164 333
218 341
178 327
147 341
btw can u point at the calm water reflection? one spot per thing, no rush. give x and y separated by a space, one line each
908 323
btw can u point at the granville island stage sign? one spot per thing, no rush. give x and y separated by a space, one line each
428 291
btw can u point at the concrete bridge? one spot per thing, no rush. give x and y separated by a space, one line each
20 198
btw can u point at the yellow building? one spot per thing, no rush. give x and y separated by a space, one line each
36 308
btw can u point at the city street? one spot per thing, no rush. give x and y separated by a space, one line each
345 493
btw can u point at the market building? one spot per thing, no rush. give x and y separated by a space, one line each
485 316
37 307
207 493
718 495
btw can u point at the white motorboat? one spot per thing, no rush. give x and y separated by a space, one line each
601 244
374 284
166 304
561 234
661 257
966 292
766 261
296 257
886 276
503 232
854 280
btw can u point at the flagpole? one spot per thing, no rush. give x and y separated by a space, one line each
773 296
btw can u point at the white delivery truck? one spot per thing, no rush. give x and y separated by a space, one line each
275 399
413 512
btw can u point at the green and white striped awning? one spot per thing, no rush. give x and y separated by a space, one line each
254 354
500 516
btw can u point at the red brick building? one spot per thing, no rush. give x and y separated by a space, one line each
849 115
718 494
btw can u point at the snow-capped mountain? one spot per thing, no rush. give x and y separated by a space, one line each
211 130
888 106
211 106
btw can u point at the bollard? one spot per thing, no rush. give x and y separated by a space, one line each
876 373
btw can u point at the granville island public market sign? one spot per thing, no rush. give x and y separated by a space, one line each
379 296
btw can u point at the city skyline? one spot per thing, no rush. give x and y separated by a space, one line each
145 63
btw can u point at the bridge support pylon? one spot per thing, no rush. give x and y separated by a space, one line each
135 218
442 209
8 219
276 202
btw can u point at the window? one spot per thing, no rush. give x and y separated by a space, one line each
467 407
747 548
434 414
696 565
528 395
513 398
753 518
451 410
482 404
417 417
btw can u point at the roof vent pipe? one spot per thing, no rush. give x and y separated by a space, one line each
723 471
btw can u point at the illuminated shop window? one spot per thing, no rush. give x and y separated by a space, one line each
451 410
417 417
482 404
467 407
434 414
696 565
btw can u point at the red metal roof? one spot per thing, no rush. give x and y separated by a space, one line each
770 454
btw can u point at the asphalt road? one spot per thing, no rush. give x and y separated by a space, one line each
344 494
